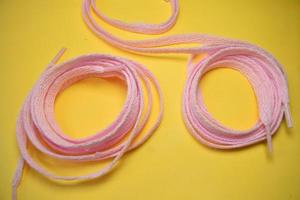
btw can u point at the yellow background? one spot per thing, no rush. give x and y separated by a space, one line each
172 164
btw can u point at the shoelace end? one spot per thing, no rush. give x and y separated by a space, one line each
288 116
57 57
269 139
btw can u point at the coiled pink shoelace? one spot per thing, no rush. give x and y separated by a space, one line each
265 74
36 124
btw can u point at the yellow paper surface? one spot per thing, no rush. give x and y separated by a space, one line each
172 164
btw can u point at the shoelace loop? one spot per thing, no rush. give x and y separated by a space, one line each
265 74
36 124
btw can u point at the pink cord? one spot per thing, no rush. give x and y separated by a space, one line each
36 124
265 74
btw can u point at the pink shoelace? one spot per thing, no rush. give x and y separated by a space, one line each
36 124
265 74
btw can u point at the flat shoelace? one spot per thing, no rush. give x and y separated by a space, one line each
265 74
36 124
36 120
